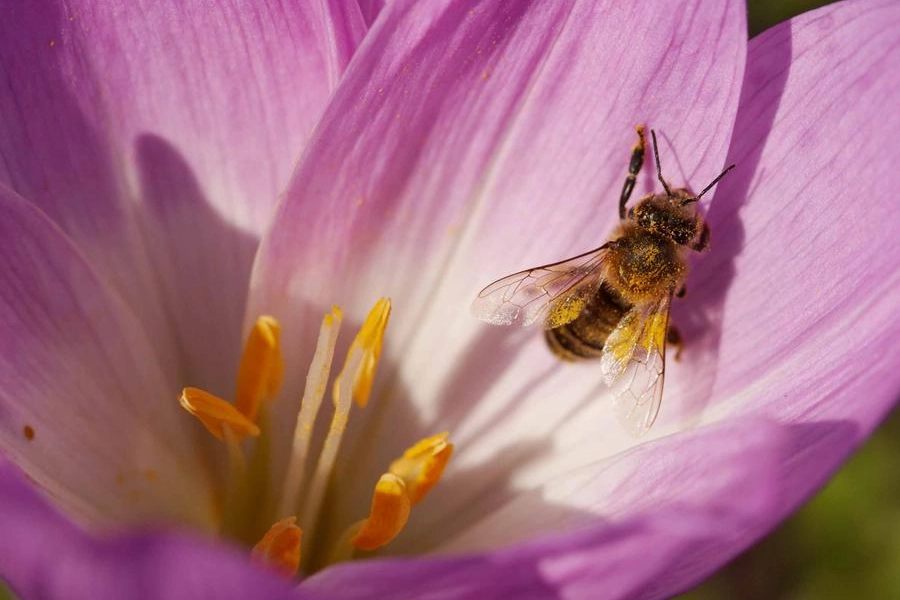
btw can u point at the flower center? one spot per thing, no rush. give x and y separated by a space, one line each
242 426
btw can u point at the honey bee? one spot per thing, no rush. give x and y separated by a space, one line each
613 302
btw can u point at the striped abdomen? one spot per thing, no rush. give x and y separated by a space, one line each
584 337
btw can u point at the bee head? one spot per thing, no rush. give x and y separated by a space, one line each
672 215
669 216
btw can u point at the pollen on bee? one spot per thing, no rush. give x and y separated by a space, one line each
622 350
657 332
566 311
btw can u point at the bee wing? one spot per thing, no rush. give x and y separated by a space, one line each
634 364
527 296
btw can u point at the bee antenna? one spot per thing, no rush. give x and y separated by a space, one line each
707 188
658 168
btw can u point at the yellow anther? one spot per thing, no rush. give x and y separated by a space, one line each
362 358
387 516
262 367
308 476
280 547
216 414
353 383
421 466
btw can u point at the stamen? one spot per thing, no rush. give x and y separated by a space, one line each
280 547
422 465
236 497
368 341
216 413
316 384
353 380
261 371
413 474
408 480
387 517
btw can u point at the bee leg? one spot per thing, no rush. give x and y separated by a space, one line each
634 167
674 339
703 242
681 292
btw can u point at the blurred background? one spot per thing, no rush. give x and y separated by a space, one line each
765 13
846 542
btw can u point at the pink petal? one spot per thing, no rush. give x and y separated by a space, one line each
636 554
799 295
84 408
469 140
184 117
44 556
235 90
805 275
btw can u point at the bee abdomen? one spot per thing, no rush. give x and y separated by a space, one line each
584 337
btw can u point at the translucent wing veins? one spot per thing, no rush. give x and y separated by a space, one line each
634 364
526 296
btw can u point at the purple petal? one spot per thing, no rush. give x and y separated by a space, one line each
468 140
236 90
370 9
816 355
45 556
446 98
804 271
185 118
792 315
698 518
84 407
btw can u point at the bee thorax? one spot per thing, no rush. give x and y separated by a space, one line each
646 266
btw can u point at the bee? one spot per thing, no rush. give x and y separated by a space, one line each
612 303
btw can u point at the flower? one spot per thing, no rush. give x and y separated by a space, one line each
460 144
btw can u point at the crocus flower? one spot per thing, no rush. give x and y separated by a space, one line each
438 145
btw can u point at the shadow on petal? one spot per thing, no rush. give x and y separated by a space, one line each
478 368
470 490
201 264
700 317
